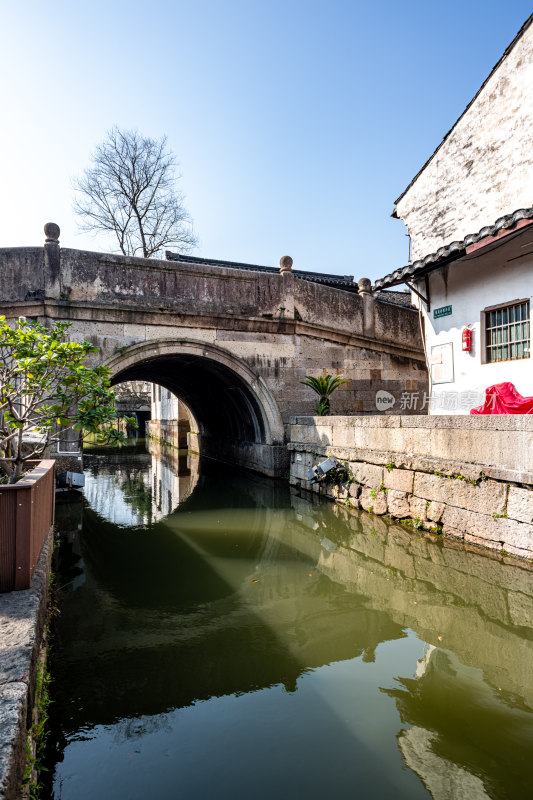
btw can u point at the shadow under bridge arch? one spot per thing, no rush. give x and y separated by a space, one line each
238 418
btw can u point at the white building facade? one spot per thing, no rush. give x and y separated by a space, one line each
477 328
469 214
170 419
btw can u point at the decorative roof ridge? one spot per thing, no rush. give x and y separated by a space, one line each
454 249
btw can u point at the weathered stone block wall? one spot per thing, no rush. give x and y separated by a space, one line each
484 167
22 274
102 278
323 305
346 311
392 324
470 478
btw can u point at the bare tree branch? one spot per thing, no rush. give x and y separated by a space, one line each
129 191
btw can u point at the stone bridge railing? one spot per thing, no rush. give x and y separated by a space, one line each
234 344
90 285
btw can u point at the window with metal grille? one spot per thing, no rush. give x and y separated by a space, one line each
507 332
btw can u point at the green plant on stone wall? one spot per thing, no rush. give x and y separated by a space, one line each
37 734
324 386
471 481
321 408
381 488
340 475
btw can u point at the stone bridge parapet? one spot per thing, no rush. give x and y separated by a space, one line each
273 327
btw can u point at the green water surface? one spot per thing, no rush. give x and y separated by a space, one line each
222 637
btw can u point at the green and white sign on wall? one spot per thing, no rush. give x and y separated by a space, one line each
443 311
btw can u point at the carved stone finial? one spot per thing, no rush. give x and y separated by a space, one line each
285 264
364 286
52 232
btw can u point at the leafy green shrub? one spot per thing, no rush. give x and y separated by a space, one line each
47 388
324 386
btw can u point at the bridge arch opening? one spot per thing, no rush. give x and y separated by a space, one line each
238 419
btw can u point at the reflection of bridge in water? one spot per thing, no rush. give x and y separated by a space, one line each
257 589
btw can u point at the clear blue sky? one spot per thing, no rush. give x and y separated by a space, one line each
297 124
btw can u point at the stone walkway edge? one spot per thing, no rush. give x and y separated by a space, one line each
22 622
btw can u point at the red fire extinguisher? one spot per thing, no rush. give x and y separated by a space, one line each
467 340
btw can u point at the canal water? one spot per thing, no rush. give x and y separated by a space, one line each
222 637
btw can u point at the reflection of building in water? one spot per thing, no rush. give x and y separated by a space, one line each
170 419
174 476
143 492
419 746
457 724
444 779
122 497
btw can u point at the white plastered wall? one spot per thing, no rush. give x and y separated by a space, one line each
483 279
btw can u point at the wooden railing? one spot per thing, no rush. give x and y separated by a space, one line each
26 517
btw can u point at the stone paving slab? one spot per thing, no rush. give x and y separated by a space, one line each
13 715
22 619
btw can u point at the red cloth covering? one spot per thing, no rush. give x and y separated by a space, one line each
502 398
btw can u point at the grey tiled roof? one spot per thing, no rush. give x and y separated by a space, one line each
452 251
339 281
396 298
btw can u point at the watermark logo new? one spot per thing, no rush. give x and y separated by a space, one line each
384 400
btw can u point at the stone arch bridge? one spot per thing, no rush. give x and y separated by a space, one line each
233 341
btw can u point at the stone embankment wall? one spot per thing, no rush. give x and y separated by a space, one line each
22 625
470 478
